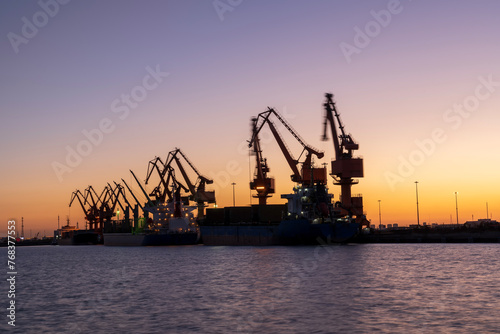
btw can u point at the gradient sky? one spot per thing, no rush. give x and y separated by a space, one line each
400 85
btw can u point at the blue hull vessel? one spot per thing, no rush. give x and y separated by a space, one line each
288 232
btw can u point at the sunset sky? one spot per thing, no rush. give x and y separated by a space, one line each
417 84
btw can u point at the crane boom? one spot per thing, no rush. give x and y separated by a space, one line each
346 144
286 152
207 180
329 108
149 202
118 189
123 194
198 193
263 184
264 118
344 167
167 175
132 193
77 194
185 176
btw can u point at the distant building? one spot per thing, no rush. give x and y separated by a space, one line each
481 223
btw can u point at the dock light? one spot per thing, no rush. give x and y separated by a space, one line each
260 188
416 191
233 184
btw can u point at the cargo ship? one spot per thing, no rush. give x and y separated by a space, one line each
172 224
309 218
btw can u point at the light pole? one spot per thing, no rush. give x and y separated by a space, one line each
416 190
456 204
233 184
379 217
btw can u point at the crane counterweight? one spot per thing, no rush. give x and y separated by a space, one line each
345 167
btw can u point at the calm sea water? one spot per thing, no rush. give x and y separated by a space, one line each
439 288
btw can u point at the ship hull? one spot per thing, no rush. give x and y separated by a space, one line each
288 232
80 238
167 239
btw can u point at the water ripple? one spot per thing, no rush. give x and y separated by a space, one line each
439 288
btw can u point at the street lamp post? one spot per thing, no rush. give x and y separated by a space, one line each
379 217
416 190
233 184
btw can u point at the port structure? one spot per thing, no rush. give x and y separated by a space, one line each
137 226
81 199
98 209
197 190
163 192
108 205
345 167
262 183
94 209
124 224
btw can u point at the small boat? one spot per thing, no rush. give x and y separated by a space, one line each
72 235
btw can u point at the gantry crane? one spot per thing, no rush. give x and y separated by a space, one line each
109 202
161 191
263 184
149 205
93 212
167 180
105 210
115 194
345 167
137 225
115 198
198 192
122 191
78 195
